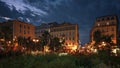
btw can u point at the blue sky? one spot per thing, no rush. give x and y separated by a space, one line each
83 12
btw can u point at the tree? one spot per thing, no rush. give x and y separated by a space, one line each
45 39
30 44
104 41
107 38
20 40
6 33
97 36
55 44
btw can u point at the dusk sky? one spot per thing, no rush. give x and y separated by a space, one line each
83 12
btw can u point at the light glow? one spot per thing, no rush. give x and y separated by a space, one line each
74 47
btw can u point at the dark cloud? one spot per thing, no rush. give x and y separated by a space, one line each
82 12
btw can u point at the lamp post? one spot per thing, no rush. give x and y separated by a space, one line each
35 41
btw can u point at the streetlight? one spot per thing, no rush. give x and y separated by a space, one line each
35 41
74 47
103 43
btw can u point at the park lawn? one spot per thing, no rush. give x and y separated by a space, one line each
52 61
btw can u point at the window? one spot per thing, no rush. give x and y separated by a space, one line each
28 32
56 35
69 33
98 24
28 27
107 23
69 38
66 38
108 18
112 23
20 25
112 29
73 33
73 38
24 32
103 19
20 28
24 27
98 20
102 24
106 30
103 30
112 18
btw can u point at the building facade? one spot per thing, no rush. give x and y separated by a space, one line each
66 31
19 28
107 25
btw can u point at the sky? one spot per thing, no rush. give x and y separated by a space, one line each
82 12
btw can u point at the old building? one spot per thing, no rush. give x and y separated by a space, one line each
66 31
107 25
19 28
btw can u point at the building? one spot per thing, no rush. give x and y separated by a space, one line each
19 28
107 25
66 31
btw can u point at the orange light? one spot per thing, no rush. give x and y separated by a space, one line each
74 47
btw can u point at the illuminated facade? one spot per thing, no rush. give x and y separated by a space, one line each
107 25
19 28
66 31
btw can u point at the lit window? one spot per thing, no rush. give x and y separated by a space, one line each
98 24
107 23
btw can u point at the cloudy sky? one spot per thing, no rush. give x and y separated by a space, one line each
82 12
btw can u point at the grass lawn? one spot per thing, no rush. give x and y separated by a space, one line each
52 61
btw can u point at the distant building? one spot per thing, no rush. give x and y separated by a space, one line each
19 28
107 25
66 31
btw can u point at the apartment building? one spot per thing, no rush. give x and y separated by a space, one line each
107 25
66 31
19 28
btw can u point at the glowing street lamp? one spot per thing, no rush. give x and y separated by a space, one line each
74 47
35 40
103 43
